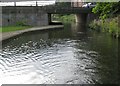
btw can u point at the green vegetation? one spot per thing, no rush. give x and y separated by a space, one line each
64 18
108 13
13 28
108 25
107 9
21 25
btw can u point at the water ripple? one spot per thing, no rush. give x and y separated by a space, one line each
48 62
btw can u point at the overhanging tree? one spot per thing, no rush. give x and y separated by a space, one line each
106 9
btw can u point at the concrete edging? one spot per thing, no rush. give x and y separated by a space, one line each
7 35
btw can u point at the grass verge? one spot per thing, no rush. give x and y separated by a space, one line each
13 28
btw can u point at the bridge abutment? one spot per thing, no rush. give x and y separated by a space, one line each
49 18
81 18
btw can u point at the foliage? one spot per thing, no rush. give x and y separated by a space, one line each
21 23
108 13
106 9
66 17
107 25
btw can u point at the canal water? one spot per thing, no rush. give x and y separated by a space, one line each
73 55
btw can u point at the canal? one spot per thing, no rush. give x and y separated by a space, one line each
73 55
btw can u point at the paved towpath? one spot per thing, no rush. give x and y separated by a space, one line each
7 35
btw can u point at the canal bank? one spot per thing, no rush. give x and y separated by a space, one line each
109 25
7 35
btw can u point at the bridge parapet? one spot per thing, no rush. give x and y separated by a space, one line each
67 10
47 9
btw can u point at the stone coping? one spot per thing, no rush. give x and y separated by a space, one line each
7 35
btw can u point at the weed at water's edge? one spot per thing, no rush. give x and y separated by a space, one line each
107 25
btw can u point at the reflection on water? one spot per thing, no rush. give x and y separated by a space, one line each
72 55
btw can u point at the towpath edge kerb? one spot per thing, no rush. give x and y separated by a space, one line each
7 35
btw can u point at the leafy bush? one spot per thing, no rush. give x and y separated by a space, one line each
107 25
113 28
21 23
94 25
106 9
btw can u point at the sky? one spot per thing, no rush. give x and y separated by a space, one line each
28 3
22 0
44 2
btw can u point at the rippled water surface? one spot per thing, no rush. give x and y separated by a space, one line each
71 55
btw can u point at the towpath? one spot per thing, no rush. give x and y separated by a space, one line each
7 35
